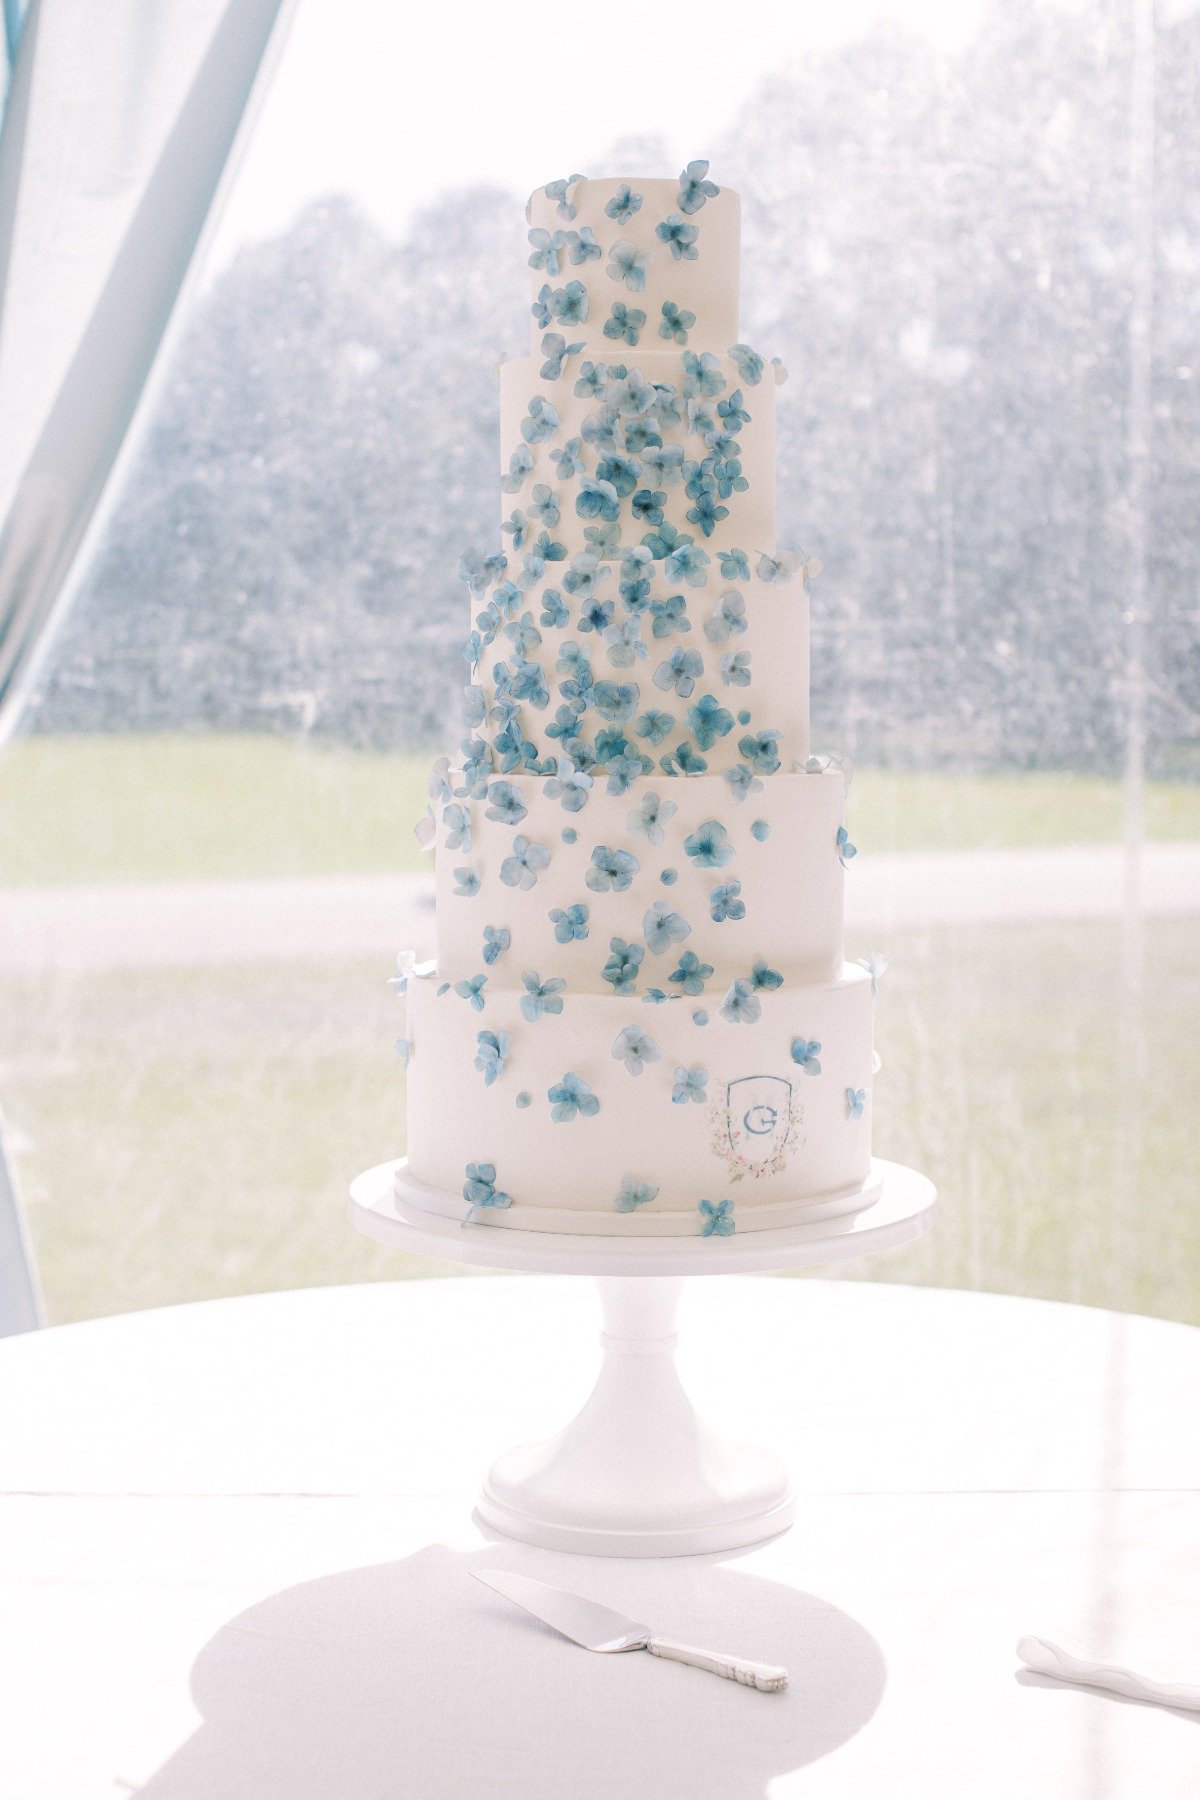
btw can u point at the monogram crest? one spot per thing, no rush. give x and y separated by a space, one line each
755 1125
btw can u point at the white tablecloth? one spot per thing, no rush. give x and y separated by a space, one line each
235 1544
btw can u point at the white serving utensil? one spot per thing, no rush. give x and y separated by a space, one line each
597 1627
1068 1660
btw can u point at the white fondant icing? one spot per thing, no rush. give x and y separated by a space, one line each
768 1134
791 883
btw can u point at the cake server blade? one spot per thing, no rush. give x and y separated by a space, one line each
585 1622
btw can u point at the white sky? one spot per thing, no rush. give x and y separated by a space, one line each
395 100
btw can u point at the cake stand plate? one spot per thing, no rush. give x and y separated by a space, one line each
637 1473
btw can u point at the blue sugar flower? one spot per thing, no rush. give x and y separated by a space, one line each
700 1017
505 803
669 615
761 751
726 902
591 382
556 350
647 505
679 673
717 1220
554 610
541 999
702 377
708 721
560 193
582 246
524 1098
742 781
654 726
688 562
707 515
691 974
547 250
496 940
617 700
669 877
541 421
466 882
635 1048
676 323
735 668
569 459
479 571
542 308
777 568
570 923
570 786
690 1084
491 1057
764 979
637 568
603 540
611 871
623 204
471 990
741 1005
732 411
572 1098
622 966
621 471
654 996
845 849
649 816
760 831
628 264
457 821
597 499
750 364
543 504
875 966
735 564
663 540
623 643
570 304
634 1193
623 771
520 467
439 780
522 868
709 846
679 237
586 574
474 707
661 928
856 1099
664 464
805 1054
624 323
683 760
729 620
694 190
529 683
480 1189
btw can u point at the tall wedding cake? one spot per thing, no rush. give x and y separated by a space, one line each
640 1020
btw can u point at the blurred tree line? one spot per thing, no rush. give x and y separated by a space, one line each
938 248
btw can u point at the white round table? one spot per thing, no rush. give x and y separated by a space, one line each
236 1544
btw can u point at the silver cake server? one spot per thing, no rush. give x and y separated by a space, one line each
598 1627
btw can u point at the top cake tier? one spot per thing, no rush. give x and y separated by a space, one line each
647 245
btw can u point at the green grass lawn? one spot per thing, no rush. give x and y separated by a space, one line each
192 1134
163 808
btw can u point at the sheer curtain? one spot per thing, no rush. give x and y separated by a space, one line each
121 127
121 124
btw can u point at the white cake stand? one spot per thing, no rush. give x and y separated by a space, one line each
637 1473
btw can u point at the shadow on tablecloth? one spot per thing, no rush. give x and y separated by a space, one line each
409 1679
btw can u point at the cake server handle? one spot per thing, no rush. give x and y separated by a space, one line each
768 1678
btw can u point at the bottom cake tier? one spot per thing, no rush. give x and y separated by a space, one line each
615 1117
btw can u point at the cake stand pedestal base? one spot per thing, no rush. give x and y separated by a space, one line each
637 1473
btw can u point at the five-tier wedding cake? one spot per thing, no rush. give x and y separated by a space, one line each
640 1020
